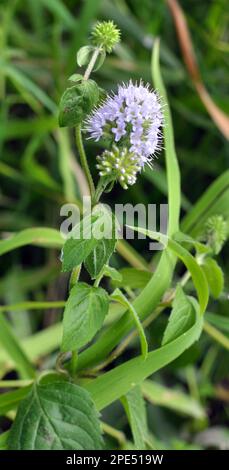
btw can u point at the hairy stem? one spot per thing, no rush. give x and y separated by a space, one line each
92 63
75 274
104 181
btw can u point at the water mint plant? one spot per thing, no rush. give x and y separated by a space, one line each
131 121
121 314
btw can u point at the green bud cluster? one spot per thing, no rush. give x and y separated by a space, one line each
120 164
216 232
105 35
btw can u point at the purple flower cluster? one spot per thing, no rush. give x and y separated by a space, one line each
132 118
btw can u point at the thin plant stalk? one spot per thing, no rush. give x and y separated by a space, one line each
83 159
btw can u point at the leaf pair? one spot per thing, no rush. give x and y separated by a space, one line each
85 53
93 242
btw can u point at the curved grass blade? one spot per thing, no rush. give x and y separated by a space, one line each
215 200
120 297
40 236
117 382
198 276
11 345
19 77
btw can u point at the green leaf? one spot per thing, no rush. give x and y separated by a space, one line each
75 252
84 314
76 77
105 247
214 275
120 297
56 416
10 343
85 237
77 248
176 400
112 273
99 62
99 257
76 102
71 112
133 278
84 56
134 406
181 318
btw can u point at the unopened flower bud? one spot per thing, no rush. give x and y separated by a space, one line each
106 35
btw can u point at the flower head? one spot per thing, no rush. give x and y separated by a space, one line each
131 119
106 35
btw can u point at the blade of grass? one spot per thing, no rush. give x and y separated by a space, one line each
215 200
197 273
16 75
10 400
117 382
32 305
9 341
65 164
216 335
176 400
58 9
36 346
18 129
158 178
47 237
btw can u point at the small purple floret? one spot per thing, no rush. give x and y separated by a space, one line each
133 118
